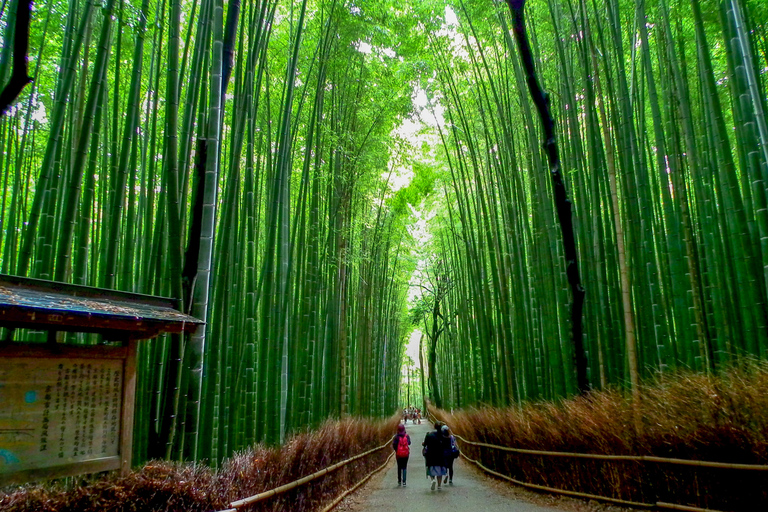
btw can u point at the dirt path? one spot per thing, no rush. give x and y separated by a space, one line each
471 491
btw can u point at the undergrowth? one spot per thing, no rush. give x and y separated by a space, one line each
175 487
685 416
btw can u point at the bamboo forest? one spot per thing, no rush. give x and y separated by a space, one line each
358 199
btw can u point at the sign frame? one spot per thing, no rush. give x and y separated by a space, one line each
59 352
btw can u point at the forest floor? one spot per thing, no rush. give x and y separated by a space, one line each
472 490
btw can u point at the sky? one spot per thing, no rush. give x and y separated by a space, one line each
412 349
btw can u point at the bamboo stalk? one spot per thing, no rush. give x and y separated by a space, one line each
562 204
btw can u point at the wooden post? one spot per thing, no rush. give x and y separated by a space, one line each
129 398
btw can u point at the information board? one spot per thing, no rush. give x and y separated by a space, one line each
62 413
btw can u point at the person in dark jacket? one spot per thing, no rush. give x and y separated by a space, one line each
435 447
452 451
401 444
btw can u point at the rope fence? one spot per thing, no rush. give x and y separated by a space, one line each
357 485
657 505
558 491
636 458
298 483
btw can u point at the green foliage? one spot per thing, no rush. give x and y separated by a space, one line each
314 243
309 267
653 166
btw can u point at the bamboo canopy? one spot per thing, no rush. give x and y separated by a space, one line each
315 179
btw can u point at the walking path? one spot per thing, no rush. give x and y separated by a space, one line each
469 492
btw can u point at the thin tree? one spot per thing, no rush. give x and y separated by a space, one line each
562 204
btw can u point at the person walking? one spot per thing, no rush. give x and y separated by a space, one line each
435 447
452 452
401 444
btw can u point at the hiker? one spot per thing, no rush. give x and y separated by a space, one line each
401 444
451 453
435 446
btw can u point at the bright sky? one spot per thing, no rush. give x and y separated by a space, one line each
450 16
412 349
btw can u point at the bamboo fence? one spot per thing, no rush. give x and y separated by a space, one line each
304 480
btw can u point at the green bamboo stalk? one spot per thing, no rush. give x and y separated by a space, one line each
200 293
66 80
73 196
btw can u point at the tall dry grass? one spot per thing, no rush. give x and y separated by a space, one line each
174 487
686 416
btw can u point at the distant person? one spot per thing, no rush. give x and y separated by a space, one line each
401 444
452 452
435 446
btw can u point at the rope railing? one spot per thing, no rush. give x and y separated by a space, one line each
576 494
555 490
636 458
346 493
630 458
298 483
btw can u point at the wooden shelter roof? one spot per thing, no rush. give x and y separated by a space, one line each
48 305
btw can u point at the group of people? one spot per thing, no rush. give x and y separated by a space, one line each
439 451
413 414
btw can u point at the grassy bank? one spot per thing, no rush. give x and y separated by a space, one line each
685 416
174 487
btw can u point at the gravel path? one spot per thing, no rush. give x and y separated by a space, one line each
471 491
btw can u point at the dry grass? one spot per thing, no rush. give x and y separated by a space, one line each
174 487
686 416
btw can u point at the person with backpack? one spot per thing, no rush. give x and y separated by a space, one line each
435 448
401 444
451 453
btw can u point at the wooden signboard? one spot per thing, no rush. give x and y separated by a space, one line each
65 410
